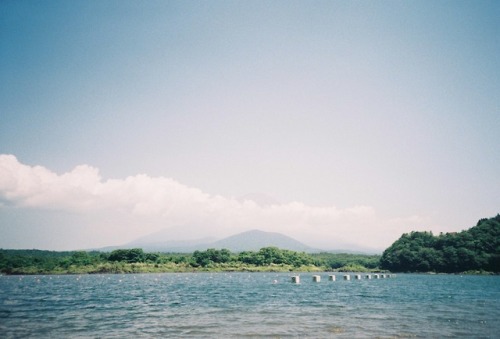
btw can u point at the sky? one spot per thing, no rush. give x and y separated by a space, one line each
342 124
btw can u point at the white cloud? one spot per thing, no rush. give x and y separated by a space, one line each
165 202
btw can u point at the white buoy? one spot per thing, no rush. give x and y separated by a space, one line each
316 278
331 277
376 276
296 279
347 277
357 276
368 276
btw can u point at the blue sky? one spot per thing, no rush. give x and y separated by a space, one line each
356 117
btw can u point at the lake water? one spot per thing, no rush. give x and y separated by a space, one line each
237 305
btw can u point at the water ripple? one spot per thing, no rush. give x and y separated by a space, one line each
223 305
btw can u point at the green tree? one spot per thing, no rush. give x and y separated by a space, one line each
475 249
210 256
134 255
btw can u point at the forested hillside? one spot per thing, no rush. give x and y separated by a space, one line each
476 249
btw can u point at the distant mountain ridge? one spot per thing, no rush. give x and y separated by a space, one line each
252 240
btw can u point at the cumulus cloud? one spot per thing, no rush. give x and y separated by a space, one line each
170 203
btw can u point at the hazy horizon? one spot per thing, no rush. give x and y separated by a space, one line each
332 122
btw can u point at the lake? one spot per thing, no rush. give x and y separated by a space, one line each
236 305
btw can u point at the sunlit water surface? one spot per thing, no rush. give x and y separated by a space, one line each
249 305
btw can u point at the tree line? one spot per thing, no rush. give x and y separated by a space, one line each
475 249
136 260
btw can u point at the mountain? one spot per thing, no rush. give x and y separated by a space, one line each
256 239
246 241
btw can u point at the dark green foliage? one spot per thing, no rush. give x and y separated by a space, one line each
273 255
11 260
264 257
210 256
36 262
338 260
476 249
131 255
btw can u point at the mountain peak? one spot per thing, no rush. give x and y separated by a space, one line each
252 240
255 239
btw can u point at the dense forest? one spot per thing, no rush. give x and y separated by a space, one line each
476 249
137 261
